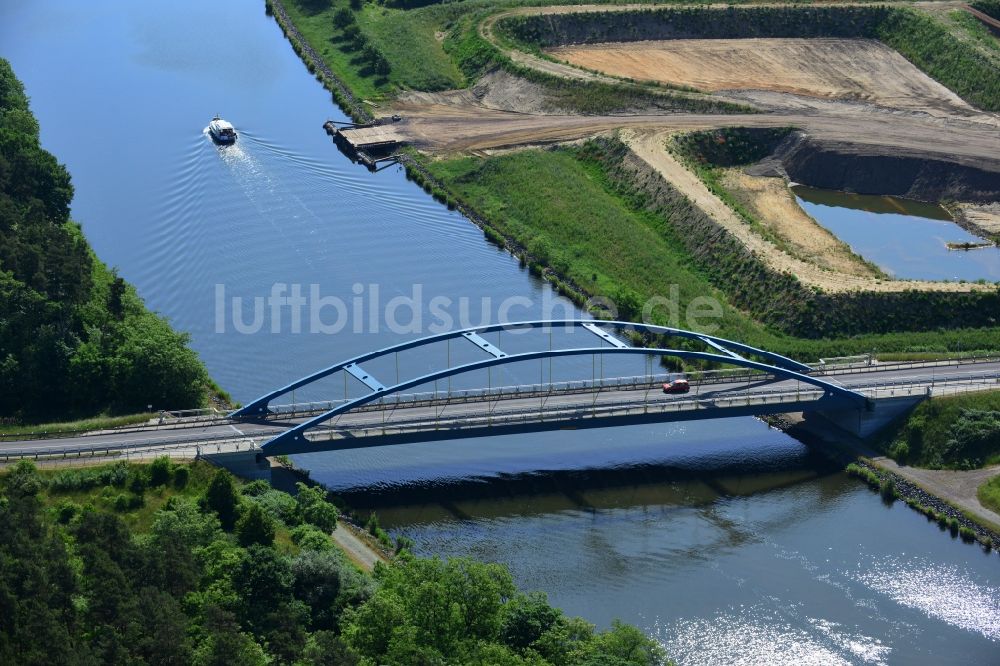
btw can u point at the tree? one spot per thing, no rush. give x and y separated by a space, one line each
327 585
38 621
225 644
255 527
160 634
526 617
623 644
325 648
343 17
430 608
263 583
221 498
160 471
279 505
314 508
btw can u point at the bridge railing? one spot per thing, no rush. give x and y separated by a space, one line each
530 390
653 402
567 414
142 449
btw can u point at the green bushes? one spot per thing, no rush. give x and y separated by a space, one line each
956 432
887 489
75 480
181 477
160 471
865 474
693 23
343 17
315 509
731 146
989 494
308 537
128 502
373 528
927 43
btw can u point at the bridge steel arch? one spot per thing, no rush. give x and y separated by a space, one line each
780 366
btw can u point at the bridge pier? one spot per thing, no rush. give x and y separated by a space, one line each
250 464
864 423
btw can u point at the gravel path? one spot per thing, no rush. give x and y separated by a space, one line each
956 487
359 552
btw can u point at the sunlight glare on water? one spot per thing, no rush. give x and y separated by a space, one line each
752 636
938 590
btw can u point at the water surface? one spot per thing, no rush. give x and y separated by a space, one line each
798 565
905 238
725 540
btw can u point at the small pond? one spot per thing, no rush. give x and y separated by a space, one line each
907 239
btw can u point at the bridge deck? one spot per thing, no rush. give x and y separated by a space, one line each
427 419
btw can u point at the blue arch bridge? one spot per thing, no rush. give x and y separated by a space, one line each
389 412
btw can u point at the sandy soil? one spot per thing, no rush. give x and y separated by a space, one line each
855 69
852 95
650 147
445 125
771 202
983 220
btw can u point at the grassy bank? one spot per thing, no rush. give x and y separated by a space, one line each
574 210
560 206
378 50
989 494
960 524
183 564
954 432
406 39
11 431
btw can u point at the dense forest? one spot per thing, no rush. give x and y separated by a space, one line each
183 564
75 338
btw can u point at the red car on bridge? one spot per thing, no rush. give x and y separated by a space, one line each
677 386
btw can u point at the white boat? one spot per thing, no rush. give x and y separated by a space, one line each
221 130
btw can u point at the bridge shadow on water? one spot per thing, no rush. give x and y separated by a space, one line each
688 483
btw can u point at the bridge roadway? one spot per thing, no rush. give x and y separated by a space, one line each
425 420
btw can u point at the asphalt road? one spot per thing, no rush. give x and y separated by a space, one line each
262 430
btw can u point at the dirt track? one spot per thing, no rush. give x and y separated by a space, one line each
443 127
857 96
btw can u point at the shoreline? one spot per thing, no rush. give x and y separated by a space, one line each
922 494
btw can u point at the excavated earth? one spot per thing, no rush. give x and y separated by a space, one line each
869 122
863 70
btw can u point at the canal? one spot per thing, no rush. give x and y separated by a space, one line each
726 540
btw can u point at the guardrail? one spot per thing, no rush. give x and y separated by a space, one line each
200 418
657 403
